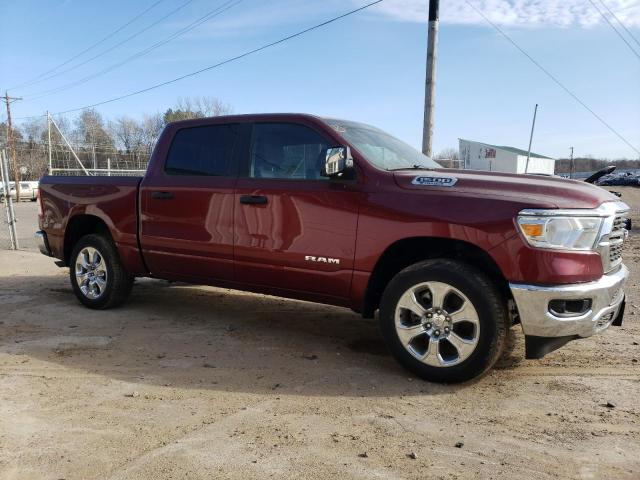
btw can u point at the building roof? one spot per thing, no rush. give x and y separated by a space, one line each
517 151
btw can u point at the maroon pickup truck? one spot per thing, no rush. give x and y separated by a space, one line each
342 213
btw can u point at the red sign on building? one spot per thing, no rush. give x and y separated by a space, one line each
489 153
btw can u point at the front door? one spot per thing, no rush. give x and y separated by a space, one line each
187 208
295 229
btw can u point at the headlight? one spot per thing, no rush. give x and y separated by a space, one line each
570 232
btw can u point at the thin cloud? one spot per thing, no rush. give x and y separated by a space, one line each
515 13
254 17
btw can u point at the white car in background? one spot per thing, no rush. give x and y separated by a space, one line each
28 191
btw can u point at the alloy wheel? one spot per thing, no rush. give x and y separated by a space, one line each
91 273
437 324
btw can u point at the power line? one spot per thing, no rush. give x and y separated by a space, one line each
217 65
35 80
211 14
552 77
129 38
615 29
620 22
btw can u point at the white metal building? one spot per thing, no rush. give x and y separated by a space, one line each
495 158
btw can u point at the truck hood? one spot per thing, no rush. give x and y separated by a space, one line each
537 190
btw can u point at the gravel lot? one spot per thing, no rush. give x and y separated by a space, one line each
198 382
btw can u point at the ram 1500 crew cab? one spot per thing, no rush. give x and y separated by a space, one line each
342 213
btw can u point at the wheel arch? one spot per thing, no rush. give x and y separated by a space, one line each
408 251
79 226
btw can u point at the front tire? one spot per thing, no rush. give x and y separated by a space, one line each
444 320
97 275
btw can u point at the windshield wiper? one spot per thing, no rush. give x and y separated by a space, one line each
412 167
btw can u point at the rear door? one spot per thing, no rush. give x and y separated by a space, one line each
187 205
295 229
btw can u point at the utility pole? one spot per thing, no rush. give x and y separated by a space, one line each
430 84
572 167
533 125
12 146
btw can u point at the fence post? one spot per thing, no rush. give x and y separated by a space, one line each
108 166
5 189
49 137
11 217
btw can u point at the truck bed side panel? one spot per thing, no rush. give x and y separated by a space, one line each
112 199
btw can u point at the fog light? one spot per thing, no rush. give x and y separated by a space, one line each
569 308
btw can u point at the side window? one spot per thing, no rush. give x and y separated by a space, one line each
287 150
203 151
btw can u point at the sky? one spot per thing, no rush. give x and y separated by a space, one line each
368 67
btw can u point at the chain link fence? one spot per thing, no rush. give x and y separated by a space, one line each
8 235
5 233
69 159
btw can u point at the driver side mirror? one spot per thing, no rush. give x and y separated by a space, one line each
338 161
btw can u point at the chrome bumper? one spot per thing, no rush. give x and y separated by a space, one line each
606 295
43 243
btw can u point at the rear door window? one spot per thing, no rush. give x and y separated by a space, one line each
206 150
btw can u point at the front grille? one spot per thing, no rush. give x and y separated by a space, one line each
613 234
619 223
616 240
615 253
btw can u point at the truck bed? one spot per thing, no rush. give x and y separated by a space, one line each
114 200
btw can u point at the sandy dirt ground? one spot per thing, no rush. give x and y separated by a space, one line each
197 382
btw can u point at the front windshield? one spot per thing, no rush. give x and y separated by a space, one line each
380 148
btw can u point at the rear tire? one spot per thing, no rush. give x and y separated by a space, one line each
97 275
444 320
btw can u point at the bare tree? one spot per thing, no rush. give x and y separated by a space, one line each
34 129
152 126
32 153
212 106
127 133
590 164
448 157
90 129
196 107
4 133
65 127
121 144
